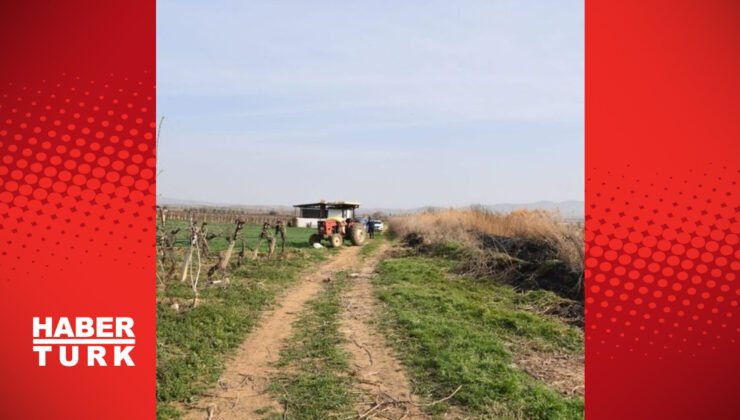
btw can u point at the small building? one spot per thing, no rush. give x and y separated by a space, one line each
307 215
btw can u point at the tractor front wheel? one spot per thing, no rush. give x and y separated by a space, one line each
315 239
336 240
357 234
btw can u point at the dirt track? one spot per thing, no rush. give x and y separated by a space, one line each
382 383
242 387
380 380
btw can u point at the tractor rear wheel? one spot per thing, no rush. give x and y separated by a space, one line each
314 239
336 240
357 234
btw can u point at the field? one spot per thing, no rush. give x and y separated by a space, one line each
297 238
442 317
452 331
192 342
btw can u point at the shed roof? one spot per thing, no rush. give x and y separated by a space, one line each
331 204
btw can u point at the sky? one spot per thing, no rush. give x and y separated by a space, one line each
395 104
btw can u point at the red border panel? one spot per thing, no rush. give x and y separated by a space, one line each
662 206
77 197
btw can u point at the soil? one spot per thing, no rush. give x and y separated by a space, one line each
242 388
564 373
384 388
571 312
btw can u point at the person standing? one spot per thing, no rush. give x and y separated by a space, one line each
371 228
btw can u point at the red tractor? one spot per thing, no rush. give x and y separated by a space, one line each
337 230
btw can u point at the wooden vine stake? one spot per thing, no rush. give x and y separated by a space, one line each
232 242
189 255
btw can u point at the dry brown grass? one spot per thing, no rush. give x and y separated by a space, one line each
565 373
466 225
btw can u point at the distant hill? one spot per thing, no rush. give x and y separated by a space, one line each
259 208
571 209
167 201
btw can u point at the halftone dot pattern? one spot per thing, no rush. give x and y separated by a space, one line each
77 167
662 262
77 200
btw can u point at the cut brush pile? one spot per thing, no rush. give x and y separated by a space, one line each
526 249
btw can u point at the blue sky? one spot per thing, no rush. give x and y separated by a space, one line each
392 103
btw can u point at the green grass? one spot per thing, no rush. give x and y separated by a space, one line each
317 386
448 330
452 331
192 343
372 245
296 237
